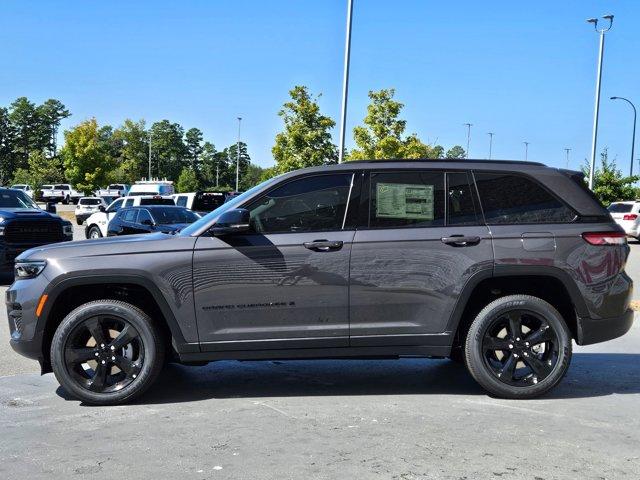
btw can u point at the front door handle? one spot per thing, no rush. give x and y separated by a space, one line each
461 240
324 245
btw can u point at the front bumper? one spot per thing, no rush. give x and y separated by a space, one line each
596 331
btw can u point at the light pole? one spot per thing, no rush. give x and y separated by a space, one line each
633 138
345 82
238 157
526 151
150 154
596 111
468 125
567 150
491 134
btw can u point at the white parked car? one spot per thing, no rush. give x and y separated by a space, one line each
24 188
200 202
151 187
87 206
96 225
627 215
61 192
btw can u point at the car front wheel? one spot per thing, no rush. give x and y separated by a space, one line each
518 347
94 232
106 352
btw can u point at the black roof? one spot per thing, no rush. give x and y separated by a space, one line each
469 161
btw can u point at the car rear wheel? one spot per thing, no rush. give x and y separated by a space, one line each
107 352
94 232
65 201
518 346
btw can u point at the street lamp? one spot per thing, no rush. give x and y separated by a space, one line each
468 125
150 134
526 151
238 157
345 82
594 140
567 150
491 134
633 138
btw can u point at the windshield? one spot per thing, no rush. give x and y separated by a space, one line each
16 199
19 187
139 194
90 201
116 186
620 207
61 187
164 216
231 204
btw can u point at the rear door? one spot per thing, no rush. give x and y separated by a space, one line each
420 239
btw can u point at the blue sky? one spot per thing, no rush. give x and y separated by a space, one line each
524 70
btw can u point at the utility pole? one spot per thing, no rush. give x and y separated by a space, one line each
567 150
217 174
526 151
596 110
490 143
468 125
238 157
345 82
149 154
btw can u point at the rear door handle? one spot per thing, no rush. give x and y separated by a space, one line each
324 245
461 240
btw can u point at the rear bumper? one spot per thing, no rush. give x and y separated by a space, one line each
595 331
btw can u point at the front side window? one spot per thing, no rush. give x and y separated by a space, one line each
512 199
145 215
406 199
115 206
310 204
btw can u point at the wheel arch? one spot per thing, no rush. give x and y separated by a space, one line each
70 293
552 284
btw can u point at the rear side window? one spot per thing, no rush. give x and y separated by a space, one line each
129 216
406 199
129 202
181 201
620 207
461 200
509 199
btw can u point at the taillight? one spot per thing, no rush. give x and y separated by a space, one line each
630 216
605 238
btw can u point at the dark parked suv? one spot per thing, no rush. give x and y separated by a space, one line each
499 264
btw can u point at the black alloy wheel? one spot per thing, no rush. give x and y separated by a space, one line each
518 346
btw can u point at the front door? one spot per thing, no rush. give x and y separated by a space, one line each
285 283
422 240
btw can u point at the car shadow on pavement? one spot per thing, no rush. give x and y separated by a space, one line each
590 375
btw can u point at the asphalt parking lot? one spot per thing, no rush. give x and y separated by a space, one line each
396 419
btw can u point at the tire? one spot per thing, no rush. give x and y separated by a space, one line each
528 365
65 201
79 222
137 352
94 232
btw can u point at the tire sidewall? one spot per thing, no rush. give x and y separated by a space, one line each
138 319
92 229
474 354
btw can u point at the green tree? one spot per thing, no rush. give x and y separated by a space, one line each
7 138
609 184
25 120
51 113
193 146
167 149
41 170
381 136
244 162
456 152
86 156
187 181
306 139
132 159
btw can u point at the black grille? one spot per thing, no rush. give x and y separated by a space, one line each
33 231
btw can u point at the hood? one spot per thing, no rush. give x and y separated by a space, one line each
156 243
8 213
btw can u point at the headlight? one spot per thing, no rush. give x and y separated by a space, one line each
67 229
28 269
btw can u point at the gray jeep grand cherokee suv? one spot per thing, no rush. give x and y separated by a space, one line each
498 264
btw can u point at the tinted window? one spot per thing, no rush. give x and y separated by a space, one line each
620 207
182 201
129 216
156 201
207 201
165 216
115 206
128 202
510 199
310 204
61 187
144 215
461 200
90 201
406 199
15 199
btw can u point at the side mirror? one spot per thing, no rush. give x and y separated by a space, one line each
232 221
101 208
51 207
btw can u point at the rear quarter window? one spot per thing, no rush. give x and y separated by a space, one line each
514 199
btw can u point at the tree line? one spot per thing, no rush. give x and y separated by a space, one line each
94 155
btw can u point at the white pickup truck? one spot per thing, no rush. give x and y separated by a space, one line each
114 190
61 192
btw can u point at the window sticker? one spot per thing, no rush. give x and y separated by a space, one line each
398 200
